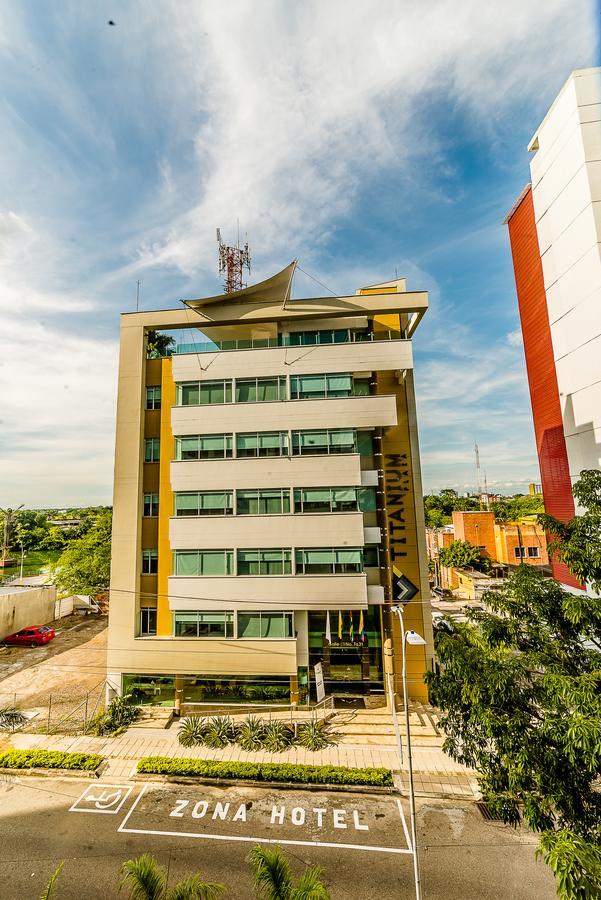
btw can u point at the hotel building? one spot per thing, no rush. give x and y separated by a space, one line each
555 234
266 481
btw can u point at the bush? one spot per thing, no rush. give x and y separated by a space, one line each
281 772
48 759
191 731
119 714
219 732
315 735
278 736
251 733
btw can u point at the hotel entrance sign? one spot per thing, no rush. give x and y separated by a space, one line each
319 685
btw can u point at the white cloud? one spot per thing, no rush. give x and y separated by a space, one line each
299 108
275 113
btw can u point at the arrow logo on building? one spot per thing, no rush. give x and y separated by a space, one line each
403 589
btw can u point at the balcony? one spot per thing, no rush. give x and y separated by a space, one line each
364 356
336 470
288 592
299 530
283 415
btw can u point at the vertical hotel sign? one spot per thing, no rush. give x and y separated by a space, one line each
402 543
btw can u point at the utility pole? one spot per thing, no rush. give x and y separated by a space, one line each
138 295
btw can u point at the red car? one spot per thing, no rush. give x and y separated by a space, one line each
34 636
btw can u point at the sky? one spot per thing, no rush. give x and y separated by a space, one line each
365 139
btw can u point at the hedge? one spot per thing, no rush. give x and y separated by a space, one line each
48 759
246 771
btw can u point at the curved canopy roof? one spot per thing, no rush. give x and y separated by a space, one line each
273 290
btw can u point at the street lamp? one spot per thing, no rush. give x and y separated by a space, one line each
416 640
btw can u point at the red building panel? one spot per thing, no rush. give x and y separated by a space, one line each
540 363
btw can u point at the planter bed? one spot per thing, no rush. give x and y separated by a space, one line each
265 773
49 762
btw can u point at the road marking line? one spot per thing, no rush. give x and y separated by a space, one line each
132 807
405 829
261 840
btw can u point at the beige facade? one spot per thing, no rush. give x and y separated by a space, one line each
266 475
23 606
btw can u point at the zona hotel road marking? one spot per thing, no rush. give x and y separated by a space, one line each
259 839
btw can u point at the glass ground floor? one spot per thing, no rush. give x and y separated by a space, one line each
351 660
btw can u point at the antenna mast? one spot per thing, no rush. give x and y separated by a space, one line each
478 478
232 260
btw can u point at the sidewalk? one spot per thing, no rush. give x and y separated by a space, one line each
435 774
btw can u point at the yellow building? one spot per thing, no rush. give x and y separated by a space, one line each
266 478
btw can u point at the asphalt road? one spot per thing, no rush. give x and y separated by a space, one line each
358 839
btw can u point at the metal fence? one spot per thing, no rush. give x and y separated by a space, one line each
56 712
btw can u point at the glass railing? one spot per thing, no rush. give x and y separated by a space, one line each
297 339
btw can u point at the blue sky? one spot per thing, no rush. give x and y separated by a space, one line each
359 137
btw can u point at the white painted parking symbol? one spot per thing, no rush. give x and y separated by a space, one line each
102 798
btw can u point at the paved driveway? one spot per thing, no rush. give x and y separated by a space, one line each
358 839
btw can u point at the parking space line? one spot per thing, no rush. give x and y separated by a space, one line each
131 809
404 821
264 840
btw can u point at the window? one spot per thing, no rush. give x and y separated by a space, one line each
319 500
150 562
365 443
262 443
533 552
152 448
191 563
256 390
519 552
269 624
332 440
203 624
368 501
204 446
153 397
306 387
204 503
271 502
371 555
200 393
324 561
148 621
264 562
151 504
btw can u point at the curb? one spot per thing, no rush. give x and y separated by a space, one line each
273 785
56 773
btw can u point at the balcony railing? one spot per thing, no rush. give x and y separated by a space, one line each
298 339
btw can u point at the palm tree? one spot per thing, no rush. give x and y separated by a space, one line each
11 717
158 344
146 880
49 891
273 878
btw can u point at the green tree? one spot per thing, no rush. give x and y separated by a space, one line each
459 554
84 567
577 543
520 688
158 344
146 880
273 878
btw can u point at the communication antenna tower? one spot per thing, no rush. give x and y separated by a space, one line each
478 478
232 260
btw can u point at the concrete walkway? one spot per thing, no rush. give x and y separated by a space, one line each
436 775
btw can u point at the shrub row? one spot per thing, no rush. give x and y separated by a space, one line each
48 759
286 772
254 733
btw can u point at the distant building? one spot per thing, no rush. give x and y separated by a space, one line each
535 489
517 542
65 524
555 234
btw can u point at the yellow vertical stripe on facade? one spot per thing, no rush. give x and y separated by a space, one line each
165 498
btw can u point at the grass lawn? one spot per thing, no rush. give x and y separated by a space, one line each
33 562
